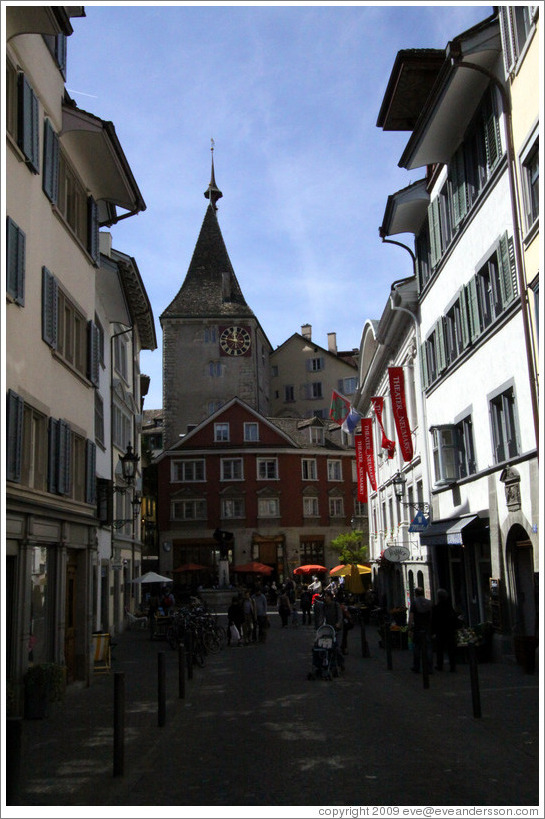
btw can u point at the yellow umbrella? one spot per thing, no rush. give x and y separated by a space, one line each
354 581
345 571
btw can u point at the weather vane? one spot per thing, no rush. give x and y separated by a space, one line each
212 144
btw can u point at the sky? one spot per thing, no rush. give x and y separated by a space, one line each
290 94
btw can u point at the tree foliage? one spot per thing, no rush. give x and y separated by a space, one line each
350 547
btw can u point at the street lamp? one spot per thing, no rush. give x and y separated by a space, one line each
399 481
129 463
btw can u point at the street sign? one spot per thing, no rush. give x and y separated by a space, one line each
396 554
420 522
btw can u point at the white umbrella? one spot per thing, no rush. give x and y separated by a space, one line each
152 577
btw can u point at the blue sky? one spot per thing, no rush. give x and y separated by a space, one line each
291 95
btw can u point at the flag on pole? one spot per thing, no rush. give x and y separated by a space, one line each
340 407
351 421
399 407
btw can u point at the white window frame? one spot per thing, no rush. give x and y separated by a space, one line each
309 469
222 433
336 507
268 507
251 431
188 509
233 508
317 436
267 469
232 469
188 471
334 470
311 507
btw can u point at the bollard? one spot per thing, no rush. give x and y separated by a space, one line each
388 644
474 677
181 671
161 689
14 733
424 658
119 723
364 644
189 638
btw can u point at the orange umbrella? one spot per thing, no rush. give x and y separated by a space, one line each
190 567
309 568
254 568
346 570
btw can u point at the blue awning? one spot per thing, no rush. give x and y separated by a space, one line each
450 532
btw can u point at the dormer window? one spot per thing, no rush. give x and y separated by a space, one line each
316 436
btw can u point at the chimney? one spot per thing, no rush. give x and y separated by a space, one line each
332 343
306 331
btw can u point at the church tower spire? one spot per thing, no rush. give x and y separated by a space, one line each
213 192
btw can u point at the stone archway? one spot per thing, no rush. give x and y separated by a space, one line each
523 593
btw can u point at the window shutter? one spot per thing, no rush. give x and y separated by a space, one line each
52 468
92 353
435 232
459 186
423 366
16 250
507 270
28 138
90 472
50 181
492 134
92 228
50 292
464 319
440 346
64 476
60 52
14 435
506 27
473 309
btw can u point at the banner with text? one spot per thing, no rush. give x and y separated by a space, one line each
368 453
390 446
399 407
361 470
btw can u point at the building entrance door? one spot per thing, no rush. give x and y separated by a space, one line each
70 623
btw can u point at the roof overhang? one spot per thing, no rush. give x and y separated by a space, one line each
37 19
406 210
452 532
413 75
111 292
101 159
454 98
137 299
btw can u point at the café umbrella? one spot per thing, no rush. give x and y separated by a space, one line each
254 568
190 567
152 577
346 570
309 568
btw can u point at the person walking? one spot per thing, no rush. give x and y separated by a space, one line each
235 617
305 601
444 624
260 604
248 610
420 626
284 607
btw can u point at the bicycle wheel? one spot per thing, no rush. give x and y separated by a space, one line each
211 642
222 635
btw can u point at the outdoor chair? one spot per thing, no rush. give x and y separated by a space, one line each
135 622
102 653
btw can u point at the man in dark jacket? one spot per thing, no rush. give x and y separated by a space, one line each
420 626
444 624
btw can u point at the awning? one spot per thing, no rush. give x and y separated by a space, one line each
451 532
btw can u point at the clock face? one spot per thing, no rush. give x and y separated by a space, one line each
235 340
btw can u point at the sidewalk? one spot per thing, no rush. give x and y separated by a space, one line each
252 730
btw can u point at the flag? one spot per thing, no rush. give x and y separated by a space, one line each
351 421
361 469
378 404
368 454
397 391
340 407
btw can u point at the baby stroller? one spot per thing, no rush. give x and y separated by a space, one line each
325 658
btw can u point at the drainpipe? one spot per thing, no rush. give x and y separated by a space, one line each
454 53
419 391
112 337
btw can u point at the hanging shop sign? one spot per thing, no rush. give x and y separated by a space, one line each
397 554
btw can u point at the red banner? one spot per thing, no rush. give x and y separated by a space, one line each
368 453
361 469
378 404
399 407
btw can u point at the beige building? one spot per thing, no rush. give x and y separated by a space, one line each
304 374
66 178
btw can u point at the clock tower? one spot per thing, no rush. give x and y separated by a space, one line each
213 345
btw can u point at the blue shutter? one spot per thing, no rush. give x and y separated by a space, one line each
50 292
92 229
53 456
50 182
15 251
64 474
92 353
90 472
14 436
60 52
27 134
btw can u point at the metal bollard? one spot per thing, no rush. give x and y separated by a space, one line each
181 671
119 723
474 677
189 638
161 689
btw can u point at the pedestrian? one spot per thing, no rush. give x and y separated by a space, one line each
316 585
444 624
260 603
248 625
348 625
284 606
305 601
235 618
420 627
332 615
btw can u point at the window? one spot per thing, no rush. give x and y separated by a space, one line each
334 471
34 449
515 25
336 507
194 509
28 123
453 451
308 467
311 508
289 393
50 176
188 471
274 370
493 288
456 335
504 426
267 469
214 406
121 428
15 252
221 432
56 44
314 365
11 100
530 184
423 256
251 431
121 355
314 390
311 551
268 508
214 369
71 334
232 508
210 335
317 436
232 469
79 211
348 386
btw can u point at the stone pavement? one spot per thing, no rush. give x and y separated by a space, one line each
252 730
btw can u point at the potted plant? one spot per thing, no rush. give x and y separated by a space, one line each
44 683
